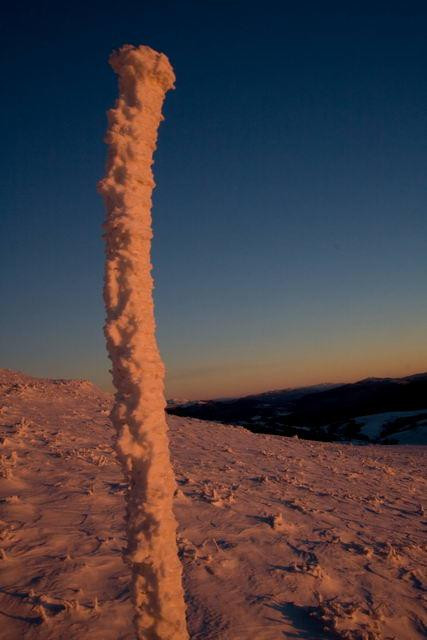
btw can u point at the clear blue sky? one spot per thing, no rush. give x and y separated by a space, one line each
290 209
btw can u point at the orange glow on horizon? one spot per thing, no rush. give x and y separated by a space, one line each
247 378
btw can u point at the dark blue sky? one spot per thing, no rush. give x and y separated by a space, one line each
290 209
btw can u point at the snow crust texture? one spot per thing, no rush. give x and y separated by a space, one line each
138 372
279 537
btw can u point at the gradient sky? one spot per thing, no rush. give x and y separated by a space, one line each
290 209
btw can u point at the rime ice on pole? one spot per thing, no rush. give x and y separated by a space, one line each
138 372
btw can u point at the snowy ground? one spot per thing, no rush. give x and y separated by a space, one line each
374 424
279 537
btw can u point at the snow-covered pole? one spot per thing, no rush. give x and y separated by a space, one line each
138 372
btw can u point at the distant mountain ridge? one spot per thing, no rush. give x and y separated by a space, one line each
323 412
273 395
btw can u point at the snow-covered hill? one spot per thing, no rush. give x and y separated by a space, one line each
279 537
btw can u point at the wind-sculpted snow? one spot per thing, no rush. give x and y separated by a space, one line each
279 537
139 410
